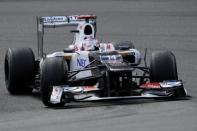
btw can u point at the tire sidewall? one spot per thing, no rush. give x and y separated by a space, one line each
53 72
163 66
19 69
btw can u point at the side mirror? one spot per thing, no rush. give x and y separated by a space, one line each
68 50
74 31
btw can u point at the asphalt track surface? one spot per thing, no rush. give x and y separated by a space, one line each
152 24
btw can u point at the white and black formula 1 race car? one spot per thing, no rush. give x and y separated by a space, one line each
88 70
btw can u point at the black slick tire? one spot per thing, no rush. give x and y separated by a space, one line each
163 66
53 72
19 69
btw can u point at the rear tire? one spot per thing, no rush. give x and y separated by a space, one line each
53 72
163 66
19 69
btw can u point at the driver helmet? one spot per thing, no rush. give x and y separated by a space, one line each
90 44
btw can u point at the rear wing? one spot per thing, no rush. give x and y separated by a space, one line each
59 21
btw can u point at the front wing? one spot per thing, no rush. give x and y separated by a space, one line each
162 90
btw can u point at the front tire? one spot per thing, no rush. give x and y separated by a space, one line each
163 66
53 72
19 69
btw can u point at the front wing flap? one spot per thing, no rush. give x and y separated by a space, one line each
164 90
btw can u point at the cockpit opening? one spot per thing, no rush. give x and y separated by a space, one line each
88 30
